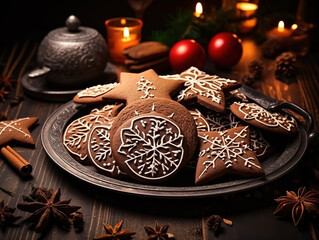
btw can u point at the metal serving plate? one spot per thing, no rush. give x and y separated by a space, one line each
182 185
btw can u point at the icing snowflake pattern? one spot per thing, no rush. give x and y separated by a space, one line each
145 86
199 83
97 90
223 121
100 150
254 112
226 149
107 109
153 146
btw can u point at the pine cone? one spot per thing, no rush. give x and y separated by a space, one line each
256 68
271 48
247 79
286 65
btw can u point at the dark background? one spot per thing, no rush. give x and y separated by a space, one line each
22 19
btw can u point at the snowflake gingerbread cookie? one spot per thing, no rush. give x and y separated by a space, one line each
152 139
226 152
206 89
261 118
223 121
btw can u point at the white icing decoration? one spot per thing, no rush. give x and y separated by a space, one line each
97 90
99 147
76 134
253 111
199 83
155 148
145 86
200 121
13 125
227 120
106 109
226 149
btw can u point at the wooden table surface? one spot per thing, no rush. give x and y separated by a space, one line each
251 211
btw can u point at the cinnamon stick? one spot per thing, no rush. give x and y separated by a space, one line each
19 163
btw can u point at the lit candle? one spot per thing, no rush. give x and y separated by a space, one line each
245 11
280 33
122 33
198 10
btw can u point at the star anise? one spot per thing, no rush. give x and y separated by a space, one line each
158 232
6 216
2 94
115 233
47 207
296 204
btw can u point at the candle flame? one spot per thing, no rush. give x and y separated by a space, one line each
281 26
123 21
198 9
126 32
294 26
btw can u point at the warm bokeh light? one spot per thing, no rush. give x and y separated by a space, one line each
198 10
247 6
281 26
123 21
294 26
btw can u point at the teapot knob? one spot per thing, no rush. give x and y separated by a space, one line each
73 23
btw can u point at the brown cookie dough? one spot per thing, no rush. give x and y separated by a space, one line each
259 117
226 152
205 89
174 114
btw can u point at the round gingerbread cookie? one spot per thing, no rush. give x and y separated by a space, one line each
100 153
259 117
75 137
152 138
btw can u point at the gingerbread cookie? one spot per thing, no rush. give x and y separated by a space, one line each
261 118
143 85
93 94
75 137
201 123
206 89
226 152
152 138
223 121
17 131
100 153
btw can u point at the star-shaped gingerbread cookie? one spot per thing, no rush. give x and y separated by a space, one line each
17 131
226 152
145 85
206 89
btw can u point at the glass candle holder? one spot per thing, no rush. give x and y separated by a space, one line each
245 12
122 33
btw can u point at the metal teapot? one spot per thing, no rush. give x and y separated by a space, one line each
72 55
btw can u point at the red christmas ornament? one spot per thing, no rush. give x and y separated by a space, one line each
187 53
225 49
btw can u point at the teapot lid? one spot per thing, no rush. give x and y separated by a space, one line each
72 32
